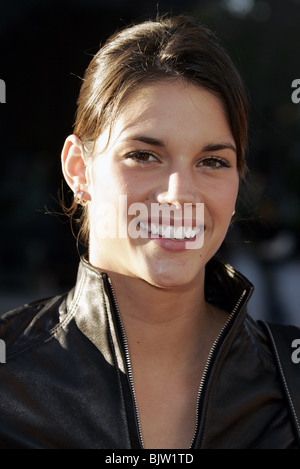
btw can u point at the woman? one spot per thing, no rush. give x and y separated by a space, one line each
152 348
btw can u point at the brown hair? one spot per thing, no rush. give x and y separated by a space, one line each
167 48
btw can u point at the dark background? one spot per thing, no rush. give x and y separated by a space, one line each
45 48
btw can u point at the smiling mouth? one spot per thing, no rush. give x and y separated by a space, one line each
181 233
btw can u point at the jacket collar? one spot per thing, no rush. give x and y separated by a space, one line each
225 288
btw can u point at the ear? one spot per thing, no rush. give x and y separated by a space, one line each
73 163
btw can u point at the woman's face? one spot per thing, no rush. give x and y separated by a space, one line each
171 148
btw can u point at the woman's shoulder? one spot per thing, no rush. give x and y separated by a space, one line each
31 322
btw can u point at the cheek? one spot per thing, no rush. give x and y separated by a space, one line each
229 196
115 204
222 199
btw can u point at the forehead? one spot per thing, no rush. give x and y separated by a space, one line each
172 111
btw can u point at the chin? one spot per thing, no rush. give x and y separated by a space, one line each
177 278
172 284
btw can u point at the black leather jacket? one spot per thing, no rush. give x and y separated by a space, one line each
67 381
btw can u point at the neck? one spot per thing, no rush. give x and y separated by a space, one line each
163 322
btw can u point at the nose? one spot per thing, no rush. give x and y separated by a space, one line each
180 191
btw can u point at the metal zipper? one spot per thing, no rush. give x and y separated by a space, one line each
205 372
128 362
209 361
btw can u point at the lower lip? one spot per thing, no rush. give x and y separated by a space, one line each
170 244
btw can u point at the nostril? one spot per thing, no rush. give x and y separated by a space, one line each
179 190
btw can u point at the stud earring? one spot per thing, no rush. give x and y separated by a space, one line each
78 197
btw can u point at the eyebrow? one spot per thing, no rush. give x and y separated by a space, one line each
161 143
149 140
219 146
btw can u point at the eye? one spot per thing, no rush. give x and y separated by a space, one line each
214 162
142 156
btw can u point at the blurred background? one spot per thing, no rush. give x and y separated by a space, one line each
45 46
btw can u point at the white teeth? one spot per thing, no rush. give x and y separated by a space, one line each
188 232
154 229
143 226
179 233
170 231
167 232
